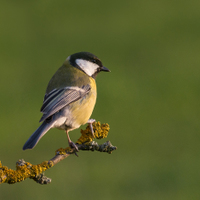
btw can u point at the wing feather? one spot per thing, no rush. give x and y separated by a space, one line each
59 98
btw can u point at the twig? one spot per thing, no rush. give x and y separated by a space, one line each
85 142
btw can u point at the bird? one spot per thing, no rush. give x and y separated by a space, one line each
70 97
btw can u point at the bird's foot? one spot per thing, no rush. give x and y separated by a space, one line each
72 145
90 122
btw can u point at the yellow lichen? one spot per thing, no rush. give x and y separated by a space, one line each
23 171
62 151
100 131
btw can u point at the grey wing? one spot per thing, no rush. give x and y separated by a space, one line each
59 98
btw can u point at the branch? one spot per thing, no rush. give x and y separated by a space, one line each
26 170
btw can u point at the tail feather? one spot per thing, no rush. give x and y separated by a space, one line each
37 135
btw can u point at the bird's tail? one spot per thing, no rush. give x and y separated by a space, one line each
37 135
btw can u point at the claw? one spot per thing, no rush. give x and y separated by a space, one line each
76 154
73 146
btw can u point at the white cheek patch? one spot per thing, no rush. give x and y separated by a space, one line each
88 67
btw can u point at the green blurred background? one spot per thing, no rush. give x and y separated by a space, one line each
150 100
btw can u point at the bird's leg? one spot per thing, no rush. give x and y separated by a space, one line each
71 144
90 121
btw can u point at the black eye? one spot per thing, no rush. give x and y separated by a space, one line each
94 61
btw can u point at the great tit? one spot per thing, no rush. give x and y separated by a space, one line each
70 97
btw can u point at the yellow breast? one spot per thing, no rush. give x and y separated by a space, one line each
82 109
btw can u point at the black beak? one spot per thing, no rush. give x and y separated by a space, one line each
105 69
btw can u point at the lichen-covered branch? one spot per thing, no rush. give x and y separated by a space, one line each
26 170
